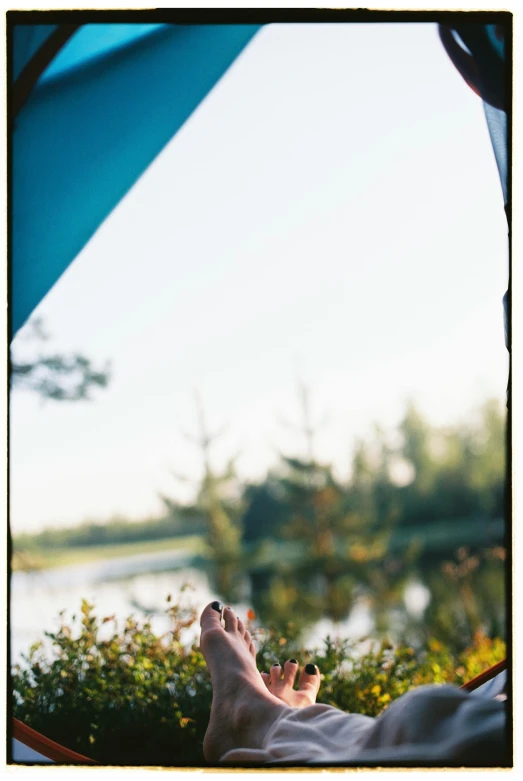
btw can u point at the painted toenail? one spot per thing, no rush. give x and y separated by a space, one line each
310 669
216 606
294 661
276 664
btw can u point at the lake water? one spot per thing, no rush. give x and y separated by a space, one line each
139 585
135 584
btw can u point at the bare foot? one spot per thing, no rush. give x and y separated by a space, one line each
283 688
242 710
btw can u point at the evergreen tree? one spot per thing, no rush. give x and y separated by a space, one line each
220 511
53 375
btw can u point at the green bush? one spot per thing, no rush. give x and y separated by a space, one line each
126 696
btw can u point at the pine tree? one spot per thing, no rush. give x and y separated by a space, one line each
53 376
218 508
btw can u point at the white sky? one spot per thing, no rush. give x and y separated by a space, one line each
333 210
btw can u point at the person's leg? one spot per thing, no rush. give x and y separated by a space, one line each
243 710
251 725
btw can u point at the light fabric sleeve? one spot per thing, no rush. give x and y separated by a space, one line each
432 724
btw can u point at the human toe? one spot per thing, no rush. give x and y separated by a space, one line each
290 668
211 616
275 674
309 678
230 620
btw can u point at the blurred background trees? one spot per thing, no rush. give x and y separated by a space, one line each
53 375
414 533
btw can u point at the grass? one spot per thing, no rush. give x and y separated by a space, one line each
24 560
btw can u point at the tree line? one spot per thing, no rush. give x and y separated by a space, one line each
430 475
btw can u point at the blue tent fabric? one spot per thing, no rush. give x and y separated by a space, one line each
479 53
497 126
86 134
27 40
95 40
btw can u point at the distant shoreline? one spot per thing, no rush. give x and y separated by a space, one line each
41 558
434 537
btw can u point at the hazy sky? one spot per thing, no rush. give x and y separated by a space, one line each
331 210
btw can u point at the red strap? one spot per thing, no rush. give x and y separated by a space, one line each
485 676
38 742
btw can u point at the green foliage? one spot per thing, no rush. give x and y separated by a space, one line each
317 503
416 447
456 472
219 507
468 596
127 696
131 698
265 511
459 471
59 377
54 376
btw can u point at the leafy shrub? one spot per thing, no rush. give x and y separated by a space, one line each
129 697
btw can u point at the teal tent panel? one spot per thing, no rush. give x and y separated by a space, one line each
84 137
27 40
95 40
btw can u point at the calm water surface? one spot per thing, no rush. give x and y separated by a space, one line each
139 585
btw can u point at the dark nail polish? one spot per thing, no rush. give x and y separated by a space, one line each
294 661
310 669
216 606
276 664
